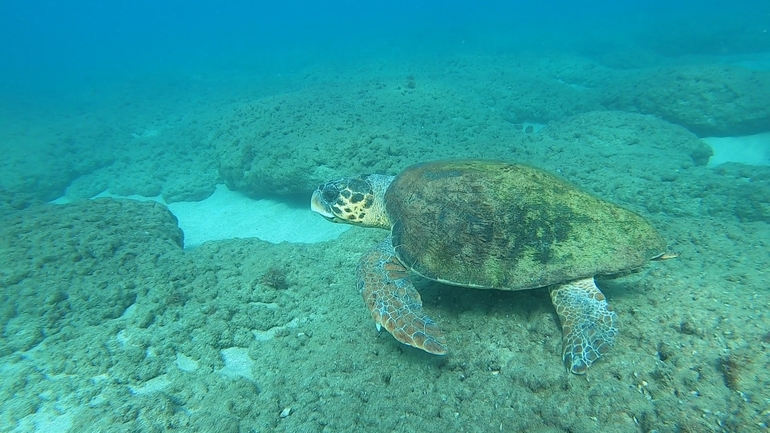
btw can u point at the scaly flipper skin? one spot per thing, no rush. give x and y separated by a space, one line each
394 302
589 326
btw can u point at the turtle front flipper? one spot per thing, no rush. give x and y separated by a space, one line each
589 326
394 302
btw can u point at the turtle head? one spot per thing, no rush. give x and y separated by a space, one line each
356 200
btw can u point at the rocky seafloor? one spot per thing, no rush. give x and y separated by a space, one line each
108 324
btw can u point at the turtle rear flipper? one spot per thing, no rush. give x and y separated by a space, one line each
394 302
588 325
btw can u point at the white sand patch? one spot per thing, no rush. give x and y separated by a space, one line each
755 61
230 214
130 311
185 363
153 385
749 149
237 363
122 338
274 331
48 420
536 127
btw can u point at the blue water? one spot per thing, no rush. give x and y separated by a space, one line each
58 45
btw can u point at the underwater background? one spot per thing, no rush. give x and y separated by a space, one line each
160 268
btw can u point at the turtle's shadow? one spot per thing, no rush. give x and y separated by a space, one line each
483 327
452 300
447 300
457 309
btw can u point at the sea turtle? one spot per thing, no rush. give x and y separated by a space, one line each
490 225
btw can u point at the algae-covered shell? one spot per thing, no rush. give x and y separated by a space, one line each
490 224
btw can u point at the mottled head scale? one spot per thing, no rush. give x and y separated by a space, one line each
354 200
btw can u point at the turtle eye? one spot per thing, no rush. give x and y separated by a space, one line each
330 193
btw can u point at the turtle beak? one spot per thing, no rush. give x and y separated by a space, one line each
319 205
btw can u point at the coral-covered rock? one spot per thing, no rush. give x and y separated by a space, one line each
706 99
290 143
71 261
